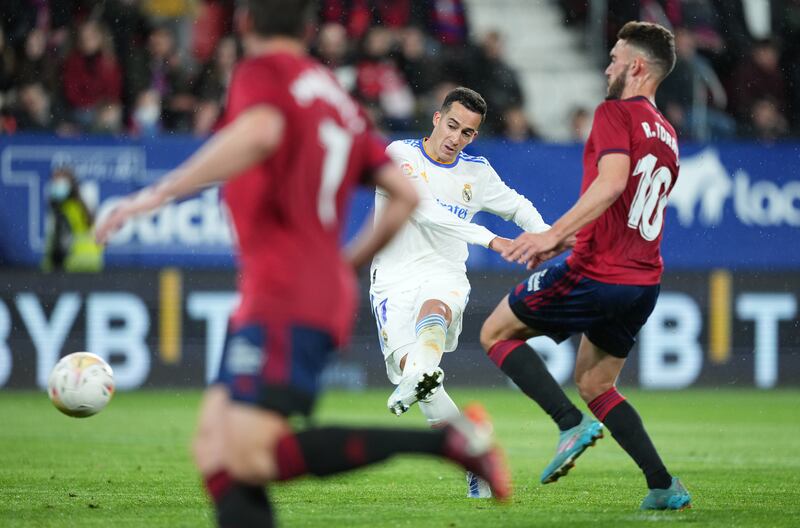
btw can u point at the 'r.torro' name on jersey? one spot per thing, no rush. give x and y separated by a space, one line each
661 133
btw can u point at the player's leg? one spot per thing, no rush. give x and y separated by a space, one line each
438 306
263 448
433 319
236 502
400 323
466 440
208 446
601 356
426 355
431 338
503 336
260 445
236 490
555 302
596 373
422 377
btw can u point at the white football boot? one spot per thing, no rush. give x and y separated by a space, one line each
414 387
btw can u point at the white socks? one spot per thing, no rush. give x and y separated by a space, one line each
427 353
439 408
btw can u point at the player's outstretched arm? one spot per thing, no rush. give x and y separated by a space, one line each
251 138
530 248
402 199
433 216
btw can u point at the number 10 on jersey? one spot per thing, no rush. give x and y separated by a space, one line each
647 209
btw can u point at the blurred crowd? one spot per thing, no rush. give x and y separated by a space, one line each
139 67
149 67
738 68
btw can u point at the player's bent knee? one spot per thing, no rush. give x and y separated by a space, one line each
254 462
435 306
253 466
489 335
590 389
251 439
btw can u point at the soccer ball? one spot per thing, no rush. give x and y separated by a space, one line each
81 384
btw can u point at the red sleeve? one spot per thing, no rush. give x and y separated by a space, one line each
611 129
253 83
374 156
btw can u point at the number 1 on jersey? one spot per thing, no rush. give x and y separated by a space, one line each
650 198
337 143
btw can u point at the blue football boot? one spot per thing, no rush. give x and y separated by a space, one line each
571 444
674 497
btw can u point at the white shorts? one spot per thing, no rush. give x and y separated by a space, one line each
397 307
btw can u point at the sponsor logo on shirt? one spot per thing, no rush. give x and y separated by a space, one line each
460 212
407 170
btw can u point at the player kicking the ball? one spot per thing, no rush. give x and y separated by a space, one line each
419 285
608 287
292 150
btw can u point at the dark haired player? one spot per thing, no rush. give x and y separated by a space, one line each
419 287
293 148
608 287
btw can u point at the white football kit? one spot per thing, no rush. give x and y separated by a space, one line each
427 258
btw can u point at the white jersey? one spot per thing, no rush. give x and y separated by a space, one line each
435 238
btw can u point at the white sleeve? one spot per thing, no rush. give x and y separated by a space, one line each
429 213
503 201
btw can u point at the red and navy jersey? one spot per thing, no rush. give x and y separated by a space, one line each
288 210
622 246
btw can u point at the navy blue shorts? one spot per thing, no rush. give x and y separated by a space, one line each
559 302
275 366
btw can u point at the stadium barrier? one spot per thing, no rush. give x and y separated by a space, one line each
736 205
165 328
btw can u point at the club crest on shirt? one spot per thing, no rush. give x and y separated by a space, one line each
384 336
466 193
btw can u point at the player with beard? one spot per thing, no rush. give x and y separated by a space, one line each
292 151
608 286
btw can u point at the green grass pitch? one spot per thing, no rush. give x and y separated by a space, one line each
737 451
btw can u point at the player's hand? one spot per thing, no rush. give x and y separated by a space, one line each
146 200
531 248
542 257
500 244
566 244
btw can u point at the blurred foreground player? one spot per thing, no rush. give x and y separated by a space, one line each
293 147
608 287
